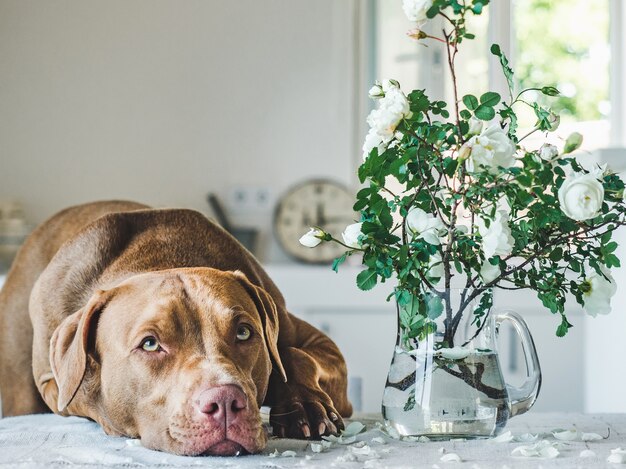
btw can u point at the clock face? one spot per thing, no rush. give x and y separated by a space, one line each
322 204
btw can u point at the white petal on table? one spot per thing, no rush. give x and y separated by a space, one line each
565 435
451 457
617 456
587 453
591 437
542 449
353 428
503 438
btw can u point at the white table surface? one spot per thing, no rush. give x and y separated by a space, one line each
51 441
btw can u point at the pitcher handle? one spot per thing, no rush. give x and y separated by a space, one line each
522 399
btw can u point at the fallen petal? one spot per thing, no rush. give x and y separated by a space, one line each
526 438
288 454
503 438
364 450
591 437
587 453
341 440
567 435
451 457
543 449
549 452
617 458
353 428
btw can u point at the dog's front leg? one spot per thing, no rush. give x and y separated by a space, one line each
314 399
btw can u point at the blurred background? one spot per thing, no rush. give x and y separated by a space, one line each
165 102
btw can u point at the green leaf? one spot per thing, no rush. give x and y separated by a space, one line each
485 113
410 403
470 101
504 62
563 327
611 260
340 260
366 280
360 205
490 99
556 254
434 306
418 101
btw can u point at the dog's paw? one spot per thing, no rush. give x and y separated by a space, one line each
305 419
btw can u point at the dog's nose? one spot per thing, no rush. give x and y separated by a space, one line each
222 403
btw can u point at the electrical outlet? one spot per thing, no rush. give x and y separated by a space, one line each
250 199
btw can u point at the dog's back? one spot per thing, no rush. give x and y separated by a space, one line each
17 387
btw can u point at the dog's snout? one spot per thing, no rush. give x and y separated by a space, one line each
222 403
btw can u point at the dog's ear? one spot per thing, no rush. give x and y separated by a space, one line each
68 348
269 316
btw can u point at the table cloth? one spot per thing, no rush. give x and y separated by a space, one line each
51 441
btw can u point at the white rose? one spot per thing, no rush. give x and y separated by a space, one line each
598 299
573 143
312 238
497 239
390 83
491 149
351 235
548 152
376 92
372 140
475 126
424 225
415 10
555 121
581 196
435 267
489 272
392 108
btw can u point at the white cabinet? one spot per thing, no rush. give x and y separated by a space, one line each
363 324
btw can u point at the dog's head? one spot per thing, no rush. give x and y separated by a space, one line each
180 358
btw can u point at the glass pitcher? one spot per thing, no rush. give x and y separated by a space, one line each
449 383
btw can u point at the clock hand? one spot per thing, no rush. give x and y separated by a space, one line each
306 221
321 220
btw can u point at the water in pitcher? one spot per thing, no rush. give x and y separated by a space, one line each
430 394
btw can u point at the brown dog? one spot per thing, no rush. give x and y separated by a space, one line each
159 325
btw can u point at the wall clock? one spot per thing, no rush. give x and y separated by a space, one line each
322 203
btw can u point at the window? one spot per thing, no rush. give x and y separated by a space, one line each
553 46
547 43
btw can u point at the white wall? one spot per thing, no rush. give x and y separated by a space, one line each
605 347
161 101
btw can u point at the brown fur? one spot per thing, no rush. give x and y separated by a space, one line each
93 280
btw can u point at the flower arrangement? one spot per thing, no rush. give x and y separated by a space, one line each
452 191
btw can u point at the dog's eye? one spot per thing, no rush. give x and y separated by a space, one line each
150 344
244 332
